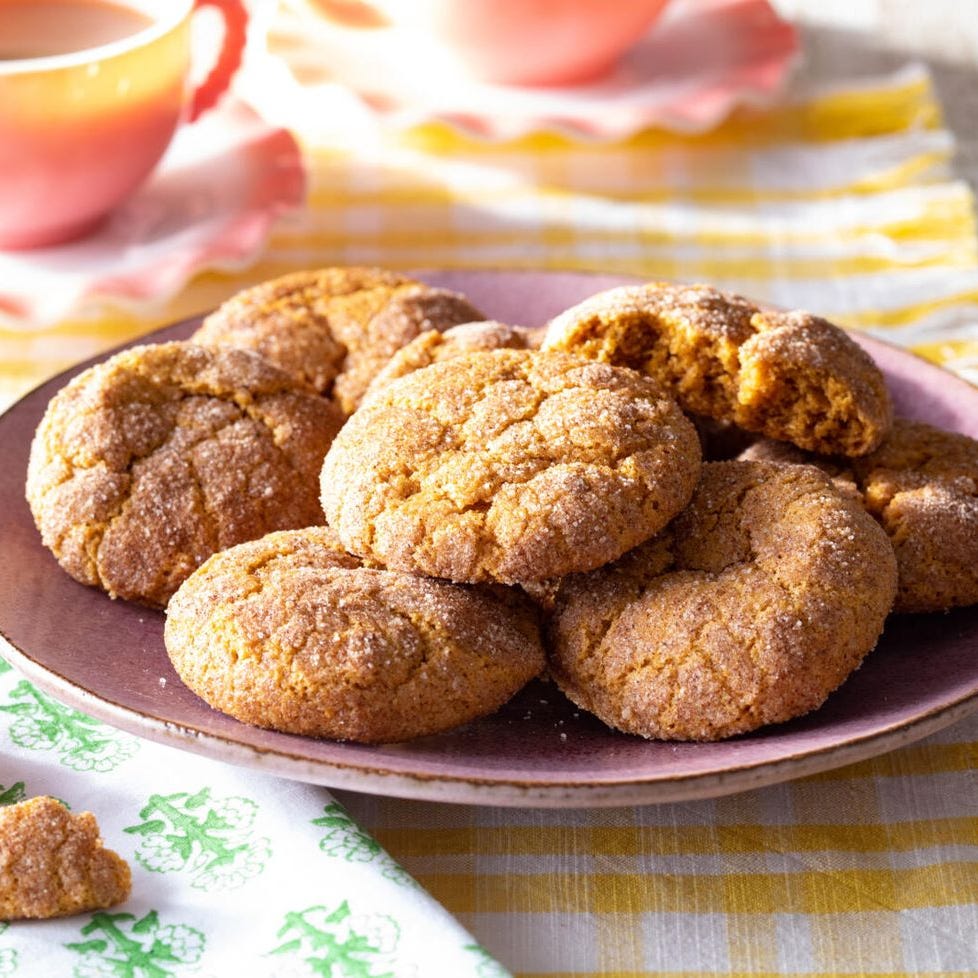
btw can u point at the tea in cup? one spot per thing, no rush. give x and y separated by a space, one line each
91 93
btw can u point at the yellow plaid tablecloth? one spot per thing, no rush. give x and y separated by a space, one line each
841 201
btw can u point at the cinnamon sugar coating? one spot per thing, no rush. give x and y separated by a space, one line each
753 605
53 863
509 466
791 376
434 347
146 464
293 633
333 328
921 485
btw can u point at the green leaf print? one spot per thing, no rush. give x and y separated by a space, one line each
8 957
130 948
8 961
83 743
486 965
11 795
210 838
340 944
5 666
344 839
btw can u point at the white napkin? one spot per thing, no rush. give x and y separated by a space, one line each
234 873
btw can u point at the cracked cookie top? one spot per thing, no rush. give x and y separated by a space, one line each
786 375
333 328
750 608
921 485
293 633
146 464
509 466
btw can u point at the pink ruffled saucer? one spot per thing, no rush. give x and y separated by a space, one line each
700 61
209 205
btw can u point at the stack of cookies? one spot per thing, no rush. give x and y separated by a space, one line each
372 515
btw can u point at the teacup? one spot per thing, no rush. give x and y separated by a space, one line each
91 93
520 42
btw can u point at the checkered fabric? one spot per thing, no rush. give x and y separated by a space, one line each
841 201
871 869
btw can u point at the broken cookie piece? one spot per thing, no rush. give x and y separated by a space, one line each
53 863
787 375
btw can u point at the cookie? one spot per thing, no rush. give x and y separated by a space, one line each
146 464
750 608
509 466
434 347
921 485
53 863
333 328
293 633
786 375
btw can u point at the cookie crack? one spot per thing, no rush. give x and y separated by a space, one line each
185 452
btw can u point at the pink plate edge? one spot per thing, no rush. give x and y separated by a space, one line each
459 790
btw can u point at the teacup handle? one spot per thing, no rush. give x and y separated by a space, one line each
216 83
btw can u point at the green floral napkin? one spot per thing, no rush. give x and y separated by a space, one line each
234 873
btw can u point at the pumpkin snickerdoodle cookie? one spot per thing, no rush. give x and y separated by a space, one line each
53 863
921 485
333 328
293 633
787 375
509 466
434 347
750 608
146 464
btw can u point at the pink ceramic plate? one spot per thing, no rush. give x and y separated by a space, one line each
108 659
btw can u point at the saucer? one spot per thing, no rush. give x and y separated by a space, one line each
209 205
700 61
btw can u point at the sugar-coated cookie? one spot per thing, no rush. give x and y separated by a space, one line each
53 863
786 375
752 606
921 485
146 464
509 466
293 633
333 328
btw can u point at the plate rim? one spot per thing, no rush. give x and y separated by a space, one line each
492 790
458 789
